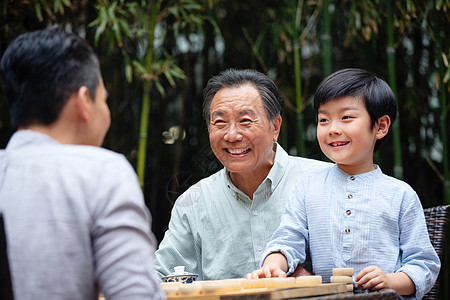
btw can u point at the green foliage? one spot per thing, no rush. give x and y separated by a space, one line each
141 57
43 7
125 24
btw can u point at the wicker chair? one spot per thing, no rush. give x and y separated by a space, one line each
437 220
5 276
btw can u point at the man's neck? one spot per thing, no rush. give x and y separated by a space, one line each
249 182
55 132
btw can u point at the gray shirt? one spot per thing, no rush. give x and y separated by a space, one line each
218 232
75 222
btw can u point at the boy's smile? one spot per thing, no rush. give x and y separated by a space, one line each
345 134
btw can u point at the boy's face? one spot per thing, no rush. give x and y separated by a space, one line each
345 135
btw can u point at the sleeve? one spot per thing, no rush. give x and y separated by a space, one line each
122 242
291 236
419 259
179 246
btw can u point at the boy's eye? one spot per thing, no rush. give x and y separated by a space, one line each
322 120
347 117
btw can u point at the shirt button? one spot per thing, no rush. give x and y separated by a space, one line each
350 196
347 231
352 177
348 212
259 248
255 213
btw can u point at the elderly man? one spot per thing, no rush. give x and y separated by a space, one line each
220 226
74 213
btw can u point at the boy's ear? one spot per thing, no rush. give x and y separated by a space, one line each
83 103
383 126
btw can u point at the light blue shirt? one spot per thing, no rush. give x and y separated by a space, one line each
218 232
356 221
75 222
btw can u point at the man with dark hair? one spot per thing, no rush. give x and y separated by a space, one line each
220 226
74 214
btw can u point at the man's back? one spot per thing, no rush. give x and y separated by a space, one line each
75 219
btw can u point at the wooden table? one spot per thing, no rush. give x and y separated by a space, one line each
381 295
269 294
307 293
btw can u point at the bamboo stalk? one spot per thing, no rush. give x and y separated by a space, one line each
398 167
326 38
298 83
145 111
443 121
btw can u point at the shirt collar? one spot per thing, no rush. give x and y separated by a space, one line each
275 175
25 137
368 176
279 167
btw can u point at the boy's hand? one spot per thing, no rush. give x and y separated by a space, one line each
372 278
274 265
266 272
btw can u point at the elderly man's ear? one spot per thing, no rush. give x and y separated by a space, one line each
276 128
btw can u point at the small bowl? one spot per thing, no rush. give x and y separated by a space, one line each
182 278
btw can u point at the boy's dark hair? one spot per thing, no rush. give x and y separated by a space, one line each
376 94
41 70
235 78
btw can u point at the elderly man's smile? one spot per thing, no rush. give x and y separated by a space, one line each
237 151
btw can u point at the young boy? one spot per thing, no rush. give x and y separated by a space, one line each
351 214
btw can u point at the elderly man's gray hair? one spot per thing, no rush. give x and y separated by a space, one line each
232 78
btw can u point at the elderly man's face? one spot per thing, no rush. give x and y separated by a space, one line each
240 132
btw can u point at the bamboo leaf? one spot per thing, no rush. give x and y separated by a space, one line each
169 77
111 10
173 11
176 73
102 19
125 28
128 72
215 26
117 34
160 88
47 9
38 10
446 75
357 20
195 18
193 6
58 7
408 5
139 67
260 37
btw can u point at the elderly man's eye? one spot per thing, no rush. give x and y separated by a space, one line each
246 121
218 122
